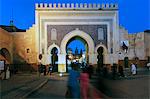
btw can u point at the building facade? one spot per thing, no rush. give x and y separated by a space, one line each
56 25
96 24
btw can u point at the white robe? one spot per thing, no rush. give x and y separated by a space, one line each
7 74
133 69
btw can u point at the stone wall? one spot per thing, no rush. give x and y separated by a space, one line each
147 44
140 63
25 46
6 41
137 46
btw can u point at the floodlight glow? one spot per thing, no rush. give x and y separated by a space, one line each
60 74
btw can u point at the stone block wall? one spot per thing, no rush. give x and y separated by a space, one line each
25 46
6 41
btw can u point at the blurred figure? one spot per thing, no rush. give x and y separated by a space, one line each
7 73
105 71
84 83
50 68
90 70
44 69
114 71
39 69
148 66
73 81
69 64
133 69
120 70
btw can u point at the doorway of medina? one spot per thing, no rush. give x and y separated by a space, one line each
76 51
53 54
83 37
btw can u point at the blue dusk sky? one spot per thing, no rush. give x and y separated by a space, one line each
134 15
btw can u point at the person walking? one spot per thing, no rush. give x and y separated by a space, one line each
44 69
148 66
90 71
133 69
73 82
50 68
120 70
84 83
69 64
7 73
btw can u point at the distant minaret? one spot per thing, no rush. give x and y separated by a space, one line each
11 23
81 52
76 51
12 19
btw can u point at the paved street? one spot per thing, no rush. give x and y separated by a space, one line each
32 86
54 87
19 85
135 87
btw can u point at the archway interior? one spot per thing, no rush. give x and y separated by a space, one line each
54 59
77 51
5 53
100 57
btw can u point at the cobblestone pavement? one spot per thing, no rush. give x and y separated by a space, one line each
19 85
54 86
57 87
54 89
32 86
135 87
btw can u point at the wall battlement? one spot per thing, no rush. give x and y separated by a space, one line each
76 6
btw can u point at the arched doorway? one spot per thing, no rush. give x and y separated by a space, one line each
100 58
54 59
84 36
77 51
5 53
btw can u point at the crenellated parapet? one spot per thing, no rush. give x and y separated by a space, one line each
76 6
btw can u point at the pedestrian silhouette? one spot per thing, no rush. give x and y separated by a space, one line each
133 69
50 68
73 82
120 71
84 83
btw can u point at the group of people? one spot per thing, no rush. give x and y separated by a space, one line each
78 83
43 69
133 70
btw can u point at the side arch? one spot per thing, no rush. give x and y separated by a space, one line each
6 54
104 47
51 47
105 52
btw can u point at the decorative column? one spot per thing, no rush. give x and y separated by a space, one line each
61 62
48 60
92 58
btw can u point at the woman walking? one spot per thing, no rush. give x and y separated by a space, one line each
73 82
